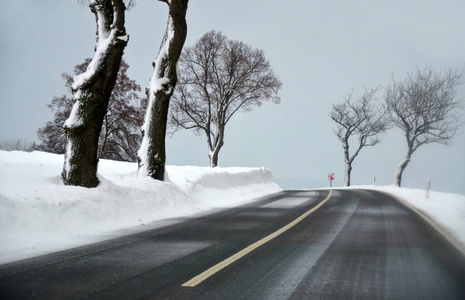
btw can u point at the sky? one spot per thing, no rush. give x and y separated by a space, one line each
321 50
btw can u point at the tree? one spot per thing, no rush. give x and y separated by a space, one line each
92 90
425 106
152 153
17 145
361 118
220 77
120 134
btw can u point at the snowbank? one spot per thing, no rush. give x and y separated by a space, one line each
39 214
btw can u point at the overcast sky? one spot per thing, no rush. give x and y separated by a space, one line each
320 49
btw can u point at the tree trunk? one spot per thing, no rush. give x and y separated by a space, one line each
152 154
400 169
348 161
92 91
156 155
218 144
348 171
214 155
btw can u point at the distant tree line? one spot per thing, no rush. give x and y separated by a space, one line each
425 106
18 145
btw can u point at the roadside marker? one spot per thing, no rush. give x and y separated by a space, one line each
218 267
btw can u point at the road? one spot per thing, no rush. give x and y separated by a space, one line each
343 244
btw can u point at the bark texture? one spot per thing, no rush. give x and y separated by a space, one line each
152 154
92 91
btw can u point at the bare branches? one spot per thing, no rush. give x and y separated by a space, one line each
129 3
426 107
219 78
120 134
362 118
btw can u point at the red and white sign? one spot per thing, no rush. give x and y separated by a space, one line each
331 176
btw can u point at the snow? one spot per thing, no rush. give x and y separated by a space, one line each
156 84
39 214
74 120
105 38
67 164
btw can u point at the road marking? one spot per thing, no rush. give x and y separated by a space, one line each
218 267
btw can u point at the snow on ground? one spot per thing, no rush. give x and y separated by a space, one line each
446 210
39 214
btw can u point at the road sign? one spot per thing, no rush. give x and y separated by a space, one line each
331 178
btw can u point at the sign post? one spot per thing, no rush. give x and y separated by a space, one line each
331 178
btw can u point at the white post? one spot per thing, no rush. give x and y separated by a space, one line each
374 179
428 186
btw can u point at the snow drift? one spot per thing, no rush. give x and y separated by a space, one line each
39 214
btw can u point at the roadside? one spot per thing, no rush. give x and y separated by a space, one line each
39 214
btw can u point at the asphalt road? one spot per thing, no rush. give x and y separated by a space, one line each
354 244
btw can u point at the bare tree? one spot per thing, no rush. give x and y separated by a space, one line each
152 153
363 119
220 77
92 90
425 106
17 145
120 135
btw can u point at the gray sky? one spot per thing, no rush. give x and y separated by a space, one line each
320 49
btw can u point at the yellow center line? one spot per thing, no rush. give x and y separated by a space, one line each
218 267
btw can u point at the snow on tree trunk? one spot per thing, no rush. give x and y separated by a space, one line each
152 155
400 169
348 170
214 155
214 158
348 161
92 90
218 143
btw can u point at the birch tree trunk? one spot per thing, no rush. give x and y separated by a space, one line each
152 153
92 90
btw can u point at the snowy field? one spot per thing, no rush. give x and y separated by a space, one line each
38 214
